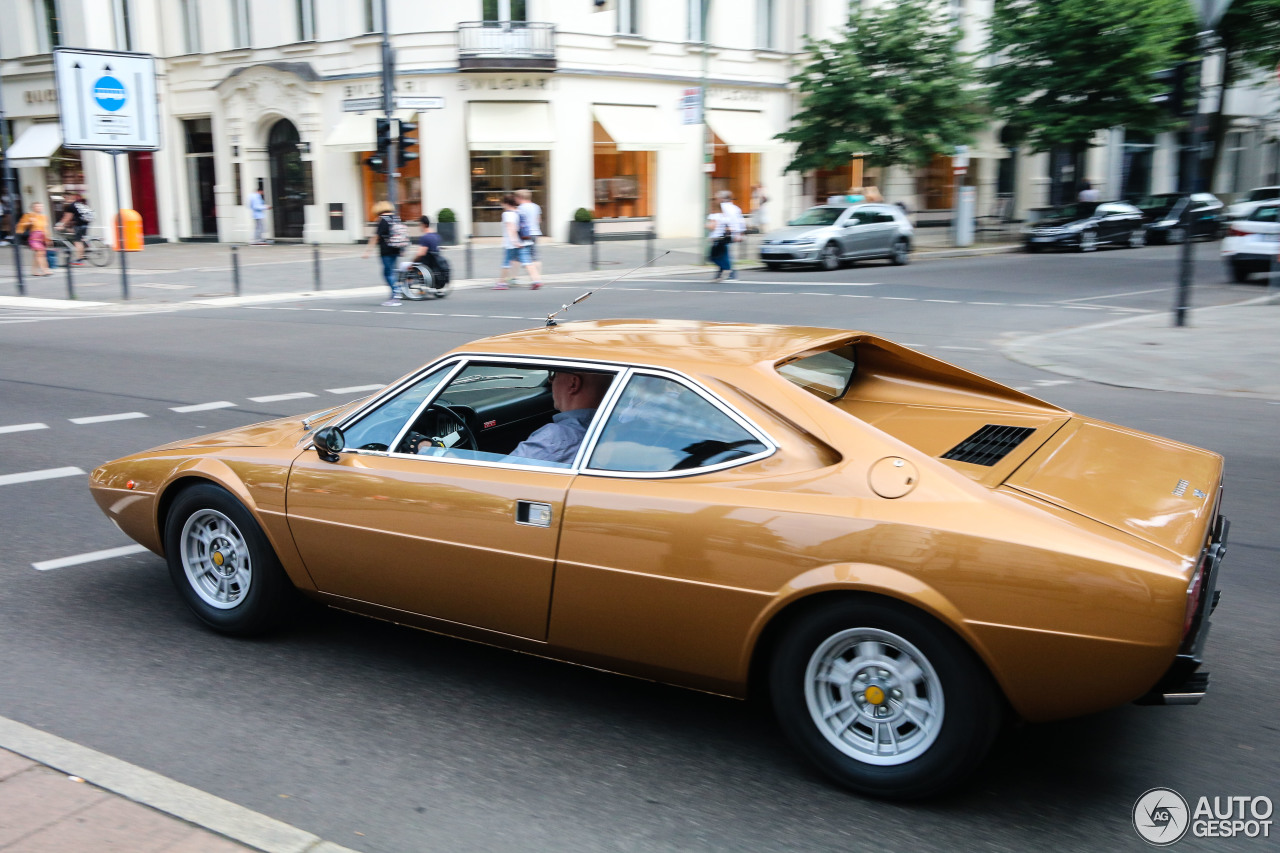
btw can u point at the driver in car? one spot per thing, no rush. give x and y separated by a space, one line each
576 396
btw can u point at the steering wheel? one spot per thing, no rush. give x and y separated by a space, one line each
459 436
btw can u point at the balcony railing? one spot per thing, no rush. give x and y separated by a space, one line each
486 45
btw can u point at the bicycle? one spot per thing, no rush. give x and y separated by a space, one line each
96 251
419 281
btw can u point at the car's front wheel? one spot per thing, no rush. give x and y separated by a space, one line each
1137 238
829 257
1088 241
901 253
222 564
772 265
883 699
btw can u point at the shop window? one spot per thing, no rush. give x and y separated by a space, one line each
934 183
409 203
623 179
64 180
496 173
734 172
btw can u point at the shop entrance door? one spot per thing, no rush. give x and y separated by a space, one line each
290 181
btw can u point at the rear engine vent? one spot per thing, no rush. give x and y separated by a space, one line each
989 445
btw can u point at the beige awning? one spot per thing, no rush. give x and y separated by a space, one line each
35 145
744 131
509 126
358 131
635 128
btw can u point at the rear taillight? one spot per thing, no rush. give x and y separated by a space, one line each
1194 591
1236 232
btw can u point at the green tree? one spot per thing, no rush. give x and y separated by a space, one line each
1064 69
893 89
1249 36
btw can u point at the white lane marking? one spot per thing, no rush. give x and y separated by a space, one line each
966 349
900 298
99 419
760 281
1114 295
354 389
947 301
23 427
987 303
203 407
275 398
1045 383
90 557
322 309
356 311
32 476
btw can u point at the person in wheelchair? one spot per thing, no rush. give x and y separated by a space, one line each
428 247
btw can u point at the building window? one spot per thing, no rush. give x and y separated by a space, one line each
190 26
198 135
306 20
697 9
240 23
765 25
505 10
48 25
1234 161
629 17
1137 159
124 26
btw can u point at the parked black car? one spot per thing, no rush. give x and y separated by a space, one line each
1167 216
1085 226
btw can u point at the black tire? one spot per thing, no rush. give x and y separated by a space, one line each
1240 273
246 557
934 758
901 254
829 257
1137 239
97 252
415 284
1088 241
1031 248
772 265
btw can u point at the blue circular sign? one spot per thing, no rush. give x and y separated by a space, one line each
109 93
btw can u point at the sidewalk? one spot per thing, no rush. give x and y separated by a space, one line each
57 796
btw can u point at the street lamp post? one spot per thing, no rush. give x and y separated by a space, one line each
708 151
7 193
388 107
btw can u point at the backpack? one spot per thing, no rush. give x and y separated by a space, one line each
523 231
444 272
398 236
85 212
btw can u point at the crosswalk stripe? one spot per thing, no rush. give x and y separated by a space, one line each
32 476
90 557
203 407
23 427
98 419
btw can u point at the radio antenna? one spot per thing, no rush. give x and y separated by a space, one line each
551 318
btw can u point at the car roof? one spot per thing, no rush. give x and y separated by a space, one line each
677 344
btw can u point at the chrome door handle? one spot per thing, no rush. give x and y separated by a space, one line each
533 514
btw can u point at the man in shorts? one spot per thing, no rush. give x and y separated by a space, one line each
76 217
531 217
515 245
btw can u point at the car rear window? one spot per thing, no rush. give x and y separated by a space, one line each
825 374
818 216
1271 213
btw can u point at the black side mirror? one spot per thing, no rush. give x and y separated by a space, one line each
329 442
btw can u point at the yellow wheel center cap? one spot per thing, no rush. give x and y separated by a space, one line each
875 695
218 560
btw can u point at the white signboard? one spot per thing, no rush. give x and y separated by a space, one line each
691 106
362 105
419 102
107 99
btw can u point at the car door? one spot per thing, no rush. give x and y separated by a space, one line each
855 236
467 539
884 233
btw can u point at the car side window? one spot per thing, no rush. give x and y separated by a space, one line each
659 424
377 429
885 217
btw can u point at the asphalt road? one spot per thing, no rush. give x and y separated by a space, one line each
386 739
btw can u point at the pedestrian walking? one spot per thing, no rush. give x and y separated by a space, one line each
258 208
531 218
873 194
727 225
390 236
514 243
760 208
1088 193
36 226
75 219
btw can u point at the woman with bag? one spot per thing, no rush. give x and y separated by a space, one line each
36 226
721 236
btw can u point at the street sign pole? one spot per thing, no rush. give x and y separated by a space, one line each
6 176
124 264
388 107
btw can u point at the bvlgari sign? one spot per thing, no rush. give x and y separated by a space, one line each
497 83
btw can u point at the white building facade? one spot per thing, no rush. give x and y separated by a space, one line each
583 103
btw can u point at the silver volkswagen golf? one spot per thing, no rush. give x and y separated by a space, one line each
830 234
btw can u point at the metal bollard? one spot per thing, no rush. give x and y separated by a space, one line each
595 248
71 290
235 270
315 257
648 245
470 268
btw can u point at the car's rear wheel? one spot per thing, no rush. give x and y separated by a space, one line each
1240 273
883 699
222 564
829 257
772 265
901 254
1137 238
1088 241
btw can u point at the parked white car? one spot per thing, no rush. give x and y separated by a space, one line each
1255 198
1253 244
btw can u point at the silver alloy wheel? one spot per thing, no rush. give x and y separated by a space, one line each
1137 238
1088 240
900 253
216 559
829 257
874 696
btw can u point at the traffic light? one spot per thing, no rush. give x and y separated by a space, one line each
405 142
1179 82
378 162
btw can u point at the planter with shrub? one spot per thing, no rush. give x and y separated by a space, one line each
447 226
581 229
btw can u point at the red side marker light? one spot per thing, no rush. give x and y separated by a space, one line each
131 484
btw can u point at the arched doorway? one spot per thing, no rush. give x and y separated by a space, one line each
290 181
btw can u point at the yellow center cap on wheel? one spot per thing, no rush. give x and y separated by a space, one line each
875 695
218 560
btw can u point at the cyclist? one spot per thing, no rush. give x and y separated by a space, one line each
76 218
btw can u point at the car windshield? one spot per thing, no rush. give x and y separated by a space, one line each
824 374
1263 193
1082 210
819 216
